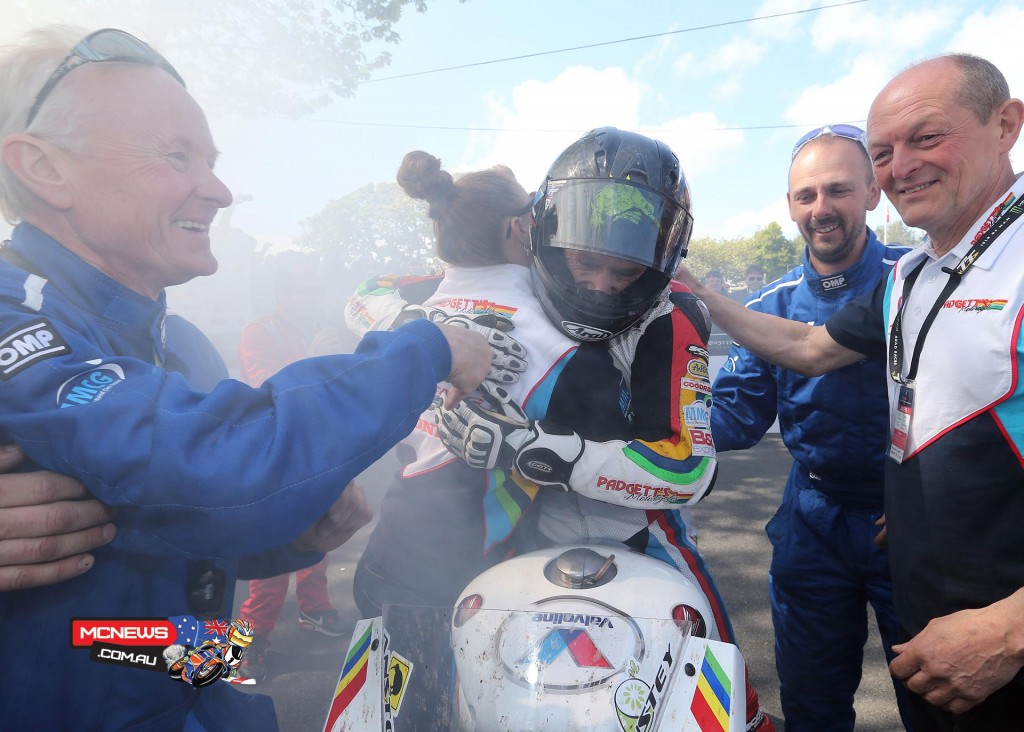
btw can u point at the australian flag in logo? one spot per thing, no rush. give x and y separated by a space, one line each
192 632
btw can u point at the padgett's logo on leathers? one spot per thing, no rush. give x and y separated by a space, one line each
89 386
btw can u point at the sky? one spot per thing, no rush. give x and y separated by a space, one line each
727 88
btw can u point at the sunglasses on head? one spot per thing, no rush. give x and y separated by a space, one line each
107 44
528 208
849 132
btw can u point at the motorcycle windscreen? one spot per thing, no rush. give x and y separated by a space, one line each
549 668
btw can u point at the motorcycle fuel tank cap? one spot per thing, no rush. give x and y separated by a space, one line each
581 568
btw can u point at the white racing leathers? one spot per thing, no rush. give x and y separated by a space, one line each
640 402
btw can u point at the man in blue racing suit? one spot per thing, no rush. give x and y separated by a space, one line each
108 168
826 566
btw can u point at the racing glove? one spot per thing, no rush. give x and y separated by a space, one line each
508 357
500 435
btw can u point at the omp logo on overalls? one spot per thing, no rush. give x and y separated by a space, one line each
28 345
89 386
833 283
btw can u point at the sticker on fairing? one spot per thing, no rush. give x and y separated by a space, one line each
28 345
396 681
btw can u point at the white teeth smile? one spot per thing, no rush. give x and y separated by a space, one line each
915 189
193 226
827 229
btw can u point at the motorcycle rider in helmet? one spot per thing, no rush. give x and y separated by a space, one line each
611 221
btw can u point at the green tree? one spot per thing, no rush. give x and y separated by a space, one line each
767 247
376 229
770 248
900 233
251 56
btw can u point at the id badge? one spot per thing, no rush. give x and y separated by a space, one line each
901 422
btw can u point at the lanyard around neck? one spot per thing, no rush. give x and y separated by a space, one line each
995 225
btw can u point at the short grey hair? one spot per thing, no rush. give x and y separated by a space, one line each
25 67
982 87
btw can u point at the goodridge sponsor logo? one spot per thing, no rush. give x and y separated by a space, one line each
699 386
89 386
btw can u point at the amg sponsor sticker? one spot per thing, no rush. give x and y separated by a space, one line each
90 386
27 345
697 415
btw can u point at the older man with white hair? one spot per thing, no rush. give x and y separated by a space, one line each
107 163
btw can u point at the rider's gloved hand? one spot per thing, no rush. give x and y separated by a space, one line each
500 435
508 357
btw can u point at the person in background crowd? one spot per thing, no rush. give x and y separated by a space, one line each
714 280
753 280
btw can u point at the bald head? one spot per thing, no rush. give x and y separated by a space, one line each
830 191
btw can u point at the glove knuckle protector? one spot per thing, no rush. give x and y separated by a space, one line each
484 438
549 456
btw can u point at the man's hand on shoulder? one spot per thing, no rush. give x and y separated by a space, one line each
48 524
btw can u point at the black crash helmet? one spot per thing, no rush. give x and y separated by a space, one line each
618 194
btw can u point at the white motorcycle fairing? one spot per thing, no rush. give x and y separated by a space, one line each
600 638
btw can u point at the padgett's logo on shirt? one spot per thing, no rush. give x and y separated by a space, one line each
975 305
476 307
89 386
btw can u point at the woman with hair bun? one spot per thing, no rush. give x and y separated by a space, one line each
480 220
437 510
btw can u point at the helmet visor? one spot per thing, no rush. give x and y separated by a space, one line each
616 218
